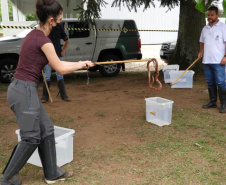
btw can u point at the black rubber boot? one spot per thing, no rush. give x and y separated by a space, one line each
62 90
222 97
47 153
45 95
213 98
18 159
15 180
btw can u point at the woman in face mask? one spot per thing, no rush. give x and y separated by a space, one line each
36 128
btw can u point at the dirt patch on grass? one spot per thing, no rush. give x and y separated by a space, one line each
113 143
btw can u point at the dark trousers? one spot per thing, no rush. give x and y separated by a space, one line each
36 130
33 121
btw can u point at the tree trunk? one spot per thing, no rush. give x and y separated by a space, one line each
191 22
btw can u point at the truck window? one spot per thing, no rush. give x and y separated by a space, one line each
78 33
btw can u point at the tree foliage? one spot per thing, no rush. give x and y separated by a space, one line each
203 5
10 11
93 7
170 3
133 4
92 11
31 17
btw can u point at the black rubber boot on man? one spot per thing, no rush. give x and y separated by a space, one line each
62 91
213 98
222 97
45 95
18 159
47 153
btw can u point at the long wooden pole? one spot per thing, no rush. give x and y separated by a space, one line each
97 63
123 61
50 97
185 71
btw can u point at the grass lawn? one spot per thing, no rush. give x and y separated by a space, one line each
190 151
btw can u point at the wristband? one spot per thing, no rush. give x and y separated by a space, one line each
224 55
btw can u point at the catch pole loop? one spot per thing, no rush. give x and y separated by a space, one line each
151 78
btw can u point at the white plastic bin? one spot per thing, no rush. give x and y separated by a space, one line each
159 111
167 69
186 81
64 147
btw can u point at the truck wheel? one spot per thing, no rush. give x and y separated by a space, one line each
109 70
7 69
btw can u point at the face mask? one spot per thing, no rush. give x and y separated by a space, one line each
57 24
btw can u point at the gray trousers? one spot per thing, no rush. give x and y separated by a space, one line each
33 121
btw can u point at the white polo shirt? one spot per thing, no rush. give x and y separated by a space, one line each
214 43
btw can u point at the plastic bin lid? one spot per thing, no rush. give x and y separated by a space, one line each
65 132
181 71
160 99
173 66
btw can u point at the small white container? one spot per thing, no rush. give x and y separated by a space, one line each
166 71
186 81
64 147
159 111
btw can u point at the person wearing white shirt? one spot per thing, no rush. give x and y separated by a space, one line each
213 51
